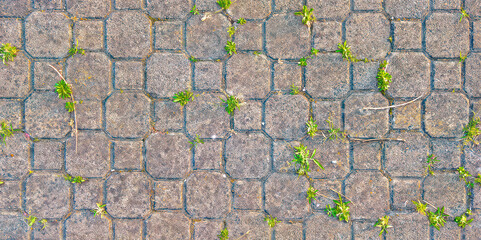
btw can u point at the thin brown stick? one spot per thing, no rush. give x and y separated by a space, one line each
243 235
74 108
429 204
342 195
322 195
394 106
377 139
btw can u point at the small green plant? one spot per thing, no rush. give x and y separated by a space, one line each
231 31
224 234
30 219
472 131
383 77
478 179
6 131
431 160
195 141
231 103
314 52
241 21
183 97
1 182
271 221
75 49
100 210
71 179
8 52
461 57
302 158
44 223
463 14
463 220
383 223
437 219
420 207
465 175
345 50
224 4
294 90
256 53
230 47
311 194
307 16
311 127
334 133
302 62
341 210
64 91
194 10
193 59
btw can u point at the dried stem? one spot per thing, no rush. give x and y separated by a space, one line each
430 204
245 234
74 108
394 106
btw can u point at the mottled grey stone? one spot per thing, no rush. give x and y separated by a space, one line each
14 157
283 154
128 195
89 34
403 192
129 75
368 35
477 34
167 74
447 75
287 37
475 230
446 190
410 74
451 230
248 76
13 226
47 4
447 4
446 114
128 155
286 75
327 76
11 112
408 226
206 39
445 36
207 75
84 225
208 156
89 114
366 123
248 223
286 116
473 73
287 231
48 155
128 34
11 30
92 156
325 193
127 115
10 197
168 35
249 36
368 5
365 229
473 159
168 115
207 229
315 228
371 189
366 155
408 35
407 116
18 8
285 196
168 156
333 155
128 4
168 195
247 155
406 158
207 117
247 195
15 77
88 8
406 9
364 75
168 9
208 195
327 35
472 7
447 151
288 5
250 9
128 228
331 9
88 194
47 196
45 76
47 34
249 116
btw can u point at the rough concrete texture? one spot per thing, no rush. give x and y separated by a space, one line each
138 152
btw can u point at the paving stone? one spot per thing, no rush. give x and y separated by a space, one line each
208 75
315 228
207 5
325 194
447 75
473 159
368 5
15 78
168 156
167 74
89 34
447 4
13 226
472 85
89 114
408 35
366 155
207 229
128 34
168 115
47 4
207 117
327 35
128 229
11 30
451 230
403 191
374 122
52 231
477 34
445 36
243 222
47 196
286 75
364 75
286 116
248 76
475 229
247 195
447 151
168 9
332 155
406 159
10 195
287 37
446 190
88 194
249 35
208 195
285 196
472 7
206 39
283 154
288 5
44 76
128 4
168 35
406 9
168 195
127 115
250 9
14 157
367 34
128 195
370 189
410 73
11 112
446 114
48 155
365 229
128 155
408 116
92 158
249 116
15 8
331 9
286 231
327 76
88 8
208 156
408 226
47 34
89 75
45 116
84 225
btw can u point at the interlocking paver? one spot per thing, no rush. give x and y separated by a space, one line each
451 230
44 76
14 77
241 222
47 195
447 4
208 195
366 155
245 71
250 9
168 225
473 7
207 229
207 75
129 75
407 116
168 35
47 34
48 155
206 39
13 226
168 9
288 5
369 191
47 4
88 8
410 74
10 195
286 37
208 156
286 231
128 34
327 35
473 160
89 156
283 154
249 36
128 195
406 9
446 190
333 156
374 122
315 228
128 155
247 195
475 229
446 36
365 229
11 111
88 194
168 156
89 114
368 35
168 195
406 158
11 31
330 9
409 226
18 8
127 115
447 150
367 5
53 230
207 117
167 74
446 114
325 187
364 75
247 155
89 34
14 158
403 191
447 75
285 196
168 115
286 75
477 34
408 35
327 76
128 228
85 225
472 85
286 116
249 116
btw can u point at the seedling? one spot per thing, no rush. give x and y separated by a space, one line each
1 182
341 210
463 14
241 21
77 179
44 223
383 77
100 210
420 207
271 221
224 234
75 49
345 50
438 218
478 179
383 223
224 4
194 10
472 131
311 127
30 220
463 220
231 103
307 16
231 31
311 194
431 160
6 131
461 57
195 141
302 158
302 62
334 133
464 175
256 53
314 52
294 90
193 59
8 52
183 97
230 47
